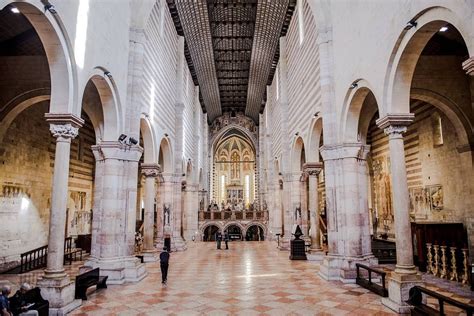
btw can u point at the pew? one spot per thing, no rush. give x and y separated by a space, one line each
368 284
88 279
419 308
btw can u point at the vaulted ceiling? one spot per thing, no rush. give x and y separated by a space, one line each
231 47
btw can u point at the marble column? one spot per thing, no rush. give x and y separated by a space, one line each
114 217
347 211
405 276
56 285
313 169
151 171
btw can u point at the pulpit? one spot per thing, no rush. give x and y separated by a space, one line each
297 246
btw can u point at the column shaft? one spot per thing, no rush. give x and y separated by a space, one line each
400 201
313 208
57 223
148 226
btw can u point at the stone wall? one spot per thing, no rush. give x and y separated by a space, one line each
26 167
438 184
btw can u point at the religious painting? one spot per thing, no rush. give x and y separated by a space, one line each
418 206
436 197
79 216
383 190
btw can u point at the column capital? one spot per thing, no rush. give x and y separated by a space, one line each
64 126
344 150
313 168
150 170
116 150
395 124
468 66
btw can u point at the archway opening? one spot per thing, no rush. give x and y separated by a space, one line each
255 233
235 233
210 233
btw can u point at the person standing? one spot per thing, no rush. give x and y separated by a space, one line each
218 239
164 264
226 239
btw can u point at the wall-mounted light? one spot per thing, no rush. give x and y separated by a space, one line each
132 141
353 85
410 25
122 138
166 135
297 133
108 74
316 114
15 10
49 7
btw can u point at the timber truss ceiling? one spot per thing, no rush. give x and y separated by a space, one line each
232 49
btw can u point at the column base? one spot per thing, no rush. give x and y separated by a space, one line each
60 294
398 287
343 268
177 244
150 255
316 254
120 270
284 244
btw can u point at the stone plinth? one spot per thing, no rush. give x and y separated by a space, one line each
343 268
60 294
120 270
398 287
150 255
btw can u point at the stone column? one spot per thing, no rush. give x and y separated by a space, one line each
56 285
405 275
114 217
347 211
151 171
313 169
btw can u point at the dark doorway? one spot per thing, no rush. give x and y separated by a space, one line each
235 233
210 233
255 233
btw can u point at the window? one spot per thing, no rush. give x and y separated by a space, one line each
222 188
247 189
299 8
437 129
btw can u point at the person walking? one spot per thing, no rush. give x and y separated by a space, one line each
164 264
226 239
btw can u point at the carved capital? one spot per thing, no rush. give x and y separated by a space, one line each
64 126
395 124
151 170
64 131
468 66
312 168
395 131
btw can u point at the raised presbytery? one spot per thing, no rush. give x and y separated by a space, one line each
328 143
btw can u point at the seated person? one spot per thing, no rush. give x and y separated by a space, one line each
4 302
19 304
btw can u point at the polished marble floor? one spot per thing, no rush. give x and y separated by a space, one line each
251 278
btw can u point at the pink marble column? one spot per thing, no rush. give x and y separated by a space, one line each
313 169
55 284
395 126
405 275
151 171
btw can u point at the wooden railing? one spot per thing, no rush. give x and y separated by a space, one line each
33 259
37 258
368 284
419 308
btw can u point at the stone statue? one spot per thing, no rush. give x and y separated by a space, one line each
166 211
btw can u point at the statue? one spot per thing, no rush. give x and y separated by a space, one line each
298 212
166 210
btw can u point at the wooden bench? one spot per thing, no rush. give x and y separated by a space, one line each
88 279
32 296
416 300
368 284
